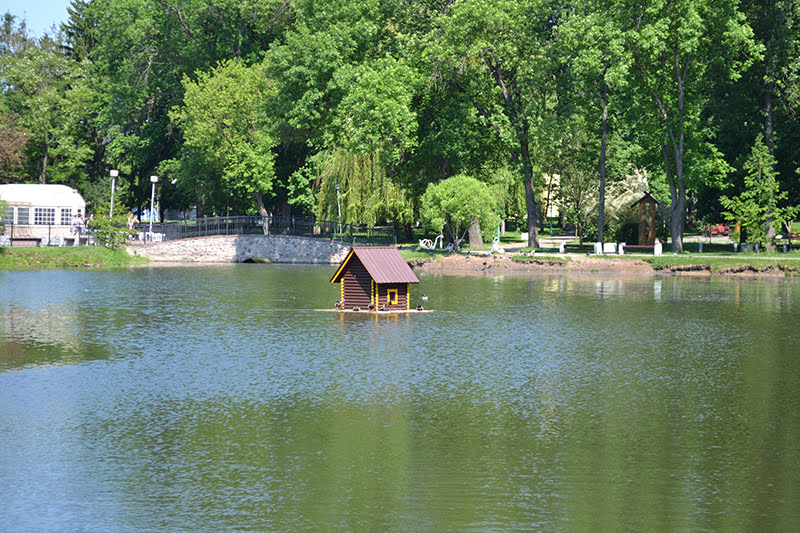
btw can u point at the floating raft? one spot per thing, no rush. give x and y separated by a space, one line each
368 312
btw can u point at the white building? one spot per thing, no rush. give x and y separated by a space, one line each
39 211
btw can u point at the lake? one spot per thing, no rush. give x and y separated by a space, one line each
219 398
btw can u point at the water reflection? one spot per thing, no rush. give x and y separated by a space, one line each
218 399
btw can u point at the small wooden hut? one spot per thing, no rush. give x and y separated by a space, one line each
375 277
647 219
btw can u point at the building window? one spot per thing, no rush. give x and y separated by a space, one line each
66 217
391 296
23 216
44 216
8 215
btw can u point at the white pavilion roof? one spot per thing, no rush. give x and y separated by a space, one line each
37 195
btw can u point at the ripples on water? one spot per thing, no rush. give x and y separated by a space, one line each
219 399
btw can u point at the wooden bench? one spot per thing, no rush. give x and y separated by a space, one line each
26 242
641 248
585 248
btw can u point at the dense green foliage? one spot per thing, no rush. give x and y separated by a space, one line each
457 203
757 206
270 105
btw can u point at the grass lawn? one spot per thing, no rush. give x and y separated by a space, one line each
720 262
21 258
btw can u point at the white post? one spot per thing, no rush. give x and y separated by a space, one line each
153 180
339 210
114 174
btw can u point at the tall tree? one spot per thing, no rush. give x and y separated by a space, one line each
80 30
50 94
221 122
347 95
593 40
674 43
496 57
762 201
143 51
13 138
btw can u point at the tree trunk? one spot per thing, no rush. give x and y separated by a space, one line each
602 201
408 232
769 131
43 174
474 235
532 208
677 215
263 211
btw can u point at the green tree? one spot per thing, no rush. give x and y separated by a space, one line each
497 56
357 183
53 99
221 123
457 203
142 52
759 203
13 139
675 44
593 41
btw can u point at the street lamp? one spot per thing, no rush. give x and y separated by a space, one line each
153 180
114 174
339 209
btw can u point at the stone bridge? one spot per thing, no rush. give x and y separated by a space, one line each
241 248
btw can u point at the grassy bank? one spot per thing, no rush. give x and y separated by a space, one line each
723 264
12 258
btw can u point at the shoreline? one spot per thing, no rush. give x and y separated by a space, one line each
512 262
597 265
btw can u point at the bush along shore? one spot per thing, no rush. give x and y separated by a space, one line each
21 258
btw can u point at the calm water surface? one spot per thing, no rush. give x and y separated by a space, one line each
218 399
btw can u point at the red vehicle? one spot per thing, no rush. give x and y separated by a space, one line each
717 229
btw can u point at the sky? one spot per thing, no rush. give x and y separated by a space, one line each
39 15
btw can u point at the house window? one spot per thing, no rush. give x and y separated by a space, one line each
8 215
44 216
66 217
391 296
23 216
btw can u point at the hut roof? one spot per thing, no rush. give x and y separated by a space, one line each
384 264
647 196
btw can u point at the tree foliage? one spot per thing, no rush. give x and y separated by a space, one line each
762 202
221 124
458 202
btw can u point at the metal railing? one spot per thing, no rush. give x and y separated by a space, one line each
208 226
270 225
50 234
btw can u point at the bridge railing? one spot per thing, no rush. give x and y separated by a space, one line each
271 225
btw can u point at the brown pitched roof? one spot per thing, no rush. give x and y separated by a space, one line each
647 196
384 264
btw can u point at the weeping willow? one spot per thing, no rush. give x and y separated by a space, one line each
366 194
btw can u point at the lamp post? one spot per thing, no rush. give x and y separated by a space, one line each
153 180
114 174
339 210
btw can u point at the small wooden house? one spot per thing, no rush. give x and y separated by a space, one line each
647 219
375 277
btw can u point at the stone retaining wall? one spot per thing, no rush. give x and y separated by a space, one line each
240 248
